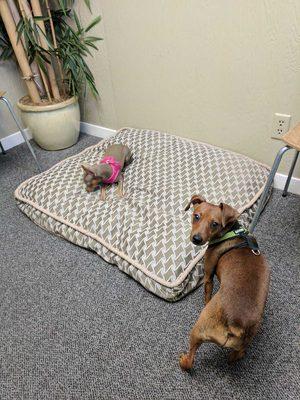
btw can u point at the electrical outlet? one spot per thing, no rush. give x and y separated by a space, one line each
281 124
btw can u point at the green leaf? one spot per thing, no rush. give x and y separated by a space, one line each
6 54
44 58
41 64
62 5
92 45
20 29
41 18
88 4
92 38
93 23
41 32
79 28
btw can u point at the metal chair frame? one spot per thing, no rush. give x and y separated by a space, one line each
264 196
11 110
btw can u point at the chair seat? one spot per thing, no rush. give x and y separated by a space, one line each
292 137
2 93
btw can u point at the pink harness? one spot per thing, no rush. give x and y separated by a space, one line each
115 166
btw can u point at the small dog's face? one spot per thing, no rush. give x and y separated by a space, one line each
209 220
91 180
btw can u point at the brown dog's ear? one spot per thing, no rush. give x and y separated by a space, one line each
229 214
196 199
88 168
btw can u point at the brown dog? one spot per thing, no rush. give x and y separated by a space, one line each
233 315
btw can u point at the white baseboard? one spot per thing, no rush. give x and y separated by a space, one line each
14 139
279 182
96 130
100 131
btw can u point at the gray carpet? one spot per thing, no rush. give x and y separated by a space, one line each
75 327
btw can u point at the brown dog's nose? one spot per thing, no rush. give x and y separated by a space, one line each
197 239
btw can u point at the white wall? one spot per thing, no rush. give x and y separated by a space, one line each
212 70
10 82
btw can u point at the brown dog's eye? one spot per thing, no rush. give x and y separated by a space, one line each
196 217
214 224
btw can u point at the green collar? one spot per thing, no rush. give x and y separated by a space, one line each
230 235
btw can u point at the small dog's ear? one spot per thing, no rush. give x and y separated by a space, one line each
88 168
196 199
229 214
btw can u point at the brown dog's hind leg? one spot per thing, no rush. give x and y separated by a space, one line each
206 329
186 360
209 328
242 341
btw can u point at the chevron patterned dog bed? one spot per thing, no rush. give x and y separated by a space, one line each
145 233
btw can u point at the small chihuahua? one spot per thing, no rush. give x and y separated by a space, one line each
233 315
108 170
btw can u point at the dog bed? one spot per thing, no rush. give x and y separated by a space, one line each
145 233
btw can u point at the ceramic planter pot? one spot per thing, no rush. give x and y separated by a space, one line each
54 126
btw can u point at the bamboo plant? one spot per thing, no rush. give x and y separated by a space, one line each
50 46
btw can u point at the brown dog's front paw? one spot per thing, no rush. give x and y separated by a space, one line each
235 356
184 362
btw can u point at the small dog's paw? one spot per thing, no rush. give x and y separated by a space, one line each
184 362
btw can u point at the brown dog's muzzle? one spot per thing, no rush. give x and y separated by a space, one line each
197 239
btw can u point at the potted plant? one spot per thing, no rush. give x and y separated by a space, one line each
50 46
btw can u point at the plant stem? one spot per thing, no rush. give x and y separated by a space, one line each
45 82
26 13
34 67
37 12
55 46
19 51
